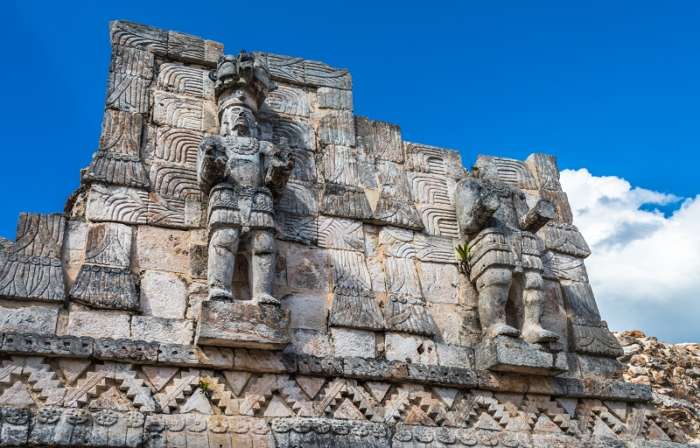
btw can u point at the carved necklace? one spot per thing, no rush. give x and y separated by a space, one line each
241 146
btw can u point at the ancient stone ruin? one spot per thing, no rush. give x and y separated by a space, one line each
248 264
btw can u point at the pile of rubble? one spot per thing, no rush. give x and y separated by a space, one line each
672 370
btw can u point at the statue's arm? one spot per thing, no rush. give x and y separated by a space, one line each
475 206
533 219
211 163
277 168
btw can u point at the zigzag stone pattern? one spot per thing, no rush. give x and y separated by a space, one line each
112 334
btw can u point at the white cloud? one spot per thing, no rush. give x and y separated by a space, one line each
645 267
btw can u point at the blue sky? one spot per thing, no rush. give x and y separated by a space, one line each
609 86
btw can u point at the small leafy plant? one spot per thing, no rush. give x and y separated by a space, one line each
205 388
463 257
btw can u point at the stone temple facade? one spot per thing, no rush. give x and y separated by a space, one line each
248 264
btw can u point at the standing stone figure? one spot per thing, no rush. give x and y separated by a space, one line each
240 173
504 252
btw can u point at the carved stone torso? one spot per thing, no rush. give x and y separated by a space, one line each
244 166
501 242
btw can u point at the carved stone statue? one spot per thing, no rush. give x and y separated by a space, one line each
240 173
504 255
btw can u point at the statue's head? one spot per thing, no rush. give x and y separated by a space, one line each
238 121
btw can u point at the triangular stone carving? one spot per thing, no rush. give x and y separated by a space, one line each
73 368
197 403
310 385
159 376
237 380
378 390
17 395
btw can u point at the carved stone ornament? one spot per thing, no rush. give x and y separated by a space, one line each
241 173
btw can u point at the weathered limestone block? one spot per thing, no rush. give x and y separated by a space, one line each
330 98
128 93
506 354
298 198
288 100
405 309
32 269
337 128
98 324
34 344
163 294
126 350
394 206
354 303
411 349
105 279
170 331
30 319
302 71
188 48
439 282
354 343
181 111
345 201
162 249
338 233
118 160
138 36
306 268
380 139
132 61
433 196
307 310
240 324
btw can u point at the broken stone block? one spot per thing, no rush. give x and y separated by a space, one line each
240 324
506 354
169 331
105 279
29 319
409 348
32 269
354 343
163 294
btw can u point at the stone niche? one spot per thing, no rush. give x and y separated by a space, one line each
108 335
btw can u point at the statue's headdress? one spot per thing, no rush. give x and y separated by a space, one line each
245 74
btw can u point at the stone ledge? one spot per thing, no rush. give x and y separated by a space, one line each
71 427
142 352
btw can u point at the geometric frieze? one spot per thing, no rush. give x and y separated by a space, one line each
32 269
138 36
131 206
433 160
287 100
509 171
181 111
105 279
432 194
185 80
177 145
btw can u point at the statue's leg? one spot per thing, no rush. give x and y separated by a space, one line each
493 286
223 245
262 269
533 301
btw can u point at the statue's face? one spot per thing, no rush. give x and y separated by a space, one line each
238 121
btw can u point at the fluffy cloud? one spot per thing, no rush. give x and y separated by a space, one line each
645 267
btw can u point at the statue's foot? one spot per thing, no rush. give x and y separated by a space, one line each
220 294
502 330
265 299
535 334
